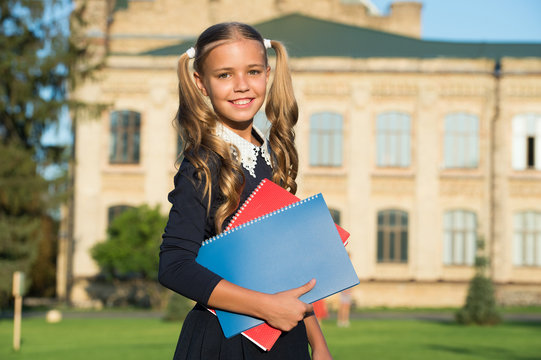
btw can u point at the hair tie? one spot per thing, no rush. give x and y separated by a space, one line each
267 43
190 52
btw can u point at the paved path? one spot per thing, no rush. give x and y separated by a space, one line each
428 316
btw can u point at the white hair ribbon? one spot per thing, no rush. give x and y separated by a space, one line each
190 52
267 43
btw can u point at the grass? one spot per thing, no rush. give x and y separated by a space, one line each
448 310
151 338
411 339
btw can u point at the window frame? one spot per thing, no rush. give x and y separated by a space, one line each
124 137
459 237
527 239
114 211
330 150
336 215
461 141
392 138
391 239
526 127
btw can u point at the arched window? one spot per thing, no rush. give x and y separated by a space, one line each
116 210
335 214
392 241
326 139
459 238
124 137
461 144
527 239
393 133
527 142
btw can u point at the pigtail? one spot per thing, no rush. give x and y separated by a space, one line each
197 127
282 112
191 108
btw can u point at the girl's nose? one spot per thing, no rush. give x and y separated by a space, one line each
241 85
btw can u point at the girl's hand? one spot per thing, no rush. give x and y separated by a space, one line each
285 310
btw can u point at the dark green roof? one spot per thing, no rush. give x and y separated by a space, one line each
310 37
120 5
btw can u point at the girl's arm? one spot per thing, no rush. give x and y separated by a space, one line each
319 347
282 310
179 271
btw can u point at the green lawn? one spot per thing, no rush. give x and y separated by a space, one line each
127 339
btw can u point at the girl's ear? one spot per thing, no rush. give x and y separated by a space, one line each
268 72
200 84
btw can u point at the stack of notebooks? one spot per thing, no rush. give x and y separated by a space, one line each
276 242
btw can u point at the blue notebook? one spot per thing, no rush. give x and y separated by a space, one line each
280 251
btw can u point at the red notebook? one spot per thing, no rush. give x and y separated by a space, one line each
266 198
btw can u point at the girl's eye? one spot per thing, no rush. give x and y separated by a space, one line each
254 72
224 76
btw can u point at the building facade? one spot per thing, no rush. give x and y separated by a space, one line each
420 148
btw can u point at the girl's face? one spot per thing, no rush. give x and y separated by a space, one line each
235 79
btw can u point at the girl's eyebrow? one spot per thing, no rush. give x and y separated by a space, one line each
230 68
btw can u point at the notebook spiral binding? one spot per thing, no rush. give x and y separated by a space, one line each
219 236
243 206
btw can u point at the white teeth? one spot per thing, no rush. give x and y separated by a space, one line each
241 102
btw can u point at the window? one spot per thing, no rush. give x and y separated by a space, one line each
393 133
335 214
527 239
261 122
116 210
125 137
461 149
326 139
527 142
392 236
459 237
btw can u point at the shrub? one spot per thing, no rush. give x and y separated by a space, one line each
177 307
132 245
480 306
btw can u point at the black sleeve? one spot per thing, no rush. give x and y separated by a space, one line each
187 227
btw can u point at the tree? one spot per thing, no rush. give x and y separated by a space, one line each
39 62
131 247
21 212
480 306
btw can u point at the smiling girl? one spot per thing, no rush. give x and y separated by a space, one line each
225 158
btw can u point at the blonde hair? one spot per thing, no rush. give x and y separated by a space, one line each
197 123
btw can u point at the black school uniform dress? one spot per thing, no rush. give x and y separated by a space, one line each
201 336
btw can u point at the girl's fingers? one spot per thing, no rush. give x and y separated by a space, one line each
303 289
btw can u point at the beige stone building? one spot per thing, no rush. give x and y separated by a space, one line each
419 147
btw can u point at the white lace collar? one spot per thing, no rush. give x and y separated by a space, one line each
248 151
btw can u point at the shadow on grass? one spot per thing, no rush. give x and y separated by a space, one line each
524 322
533 323
482 351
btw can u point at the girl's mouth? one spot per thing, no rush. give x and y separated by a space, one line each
241 102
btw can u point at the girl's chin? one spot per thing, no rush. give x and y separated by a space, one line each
238 124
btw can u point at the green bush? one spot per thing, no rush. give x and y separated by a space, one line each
480 306
177 307
131 249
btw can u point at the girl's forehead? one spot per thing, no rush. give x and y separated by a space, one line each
236 51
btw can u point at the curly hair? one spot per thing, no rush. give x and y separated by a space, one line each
196 121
